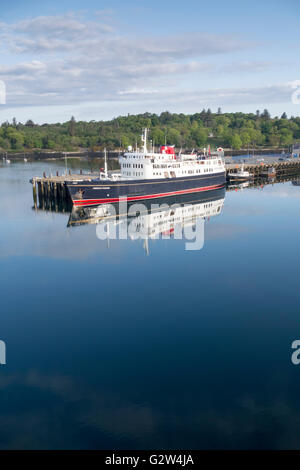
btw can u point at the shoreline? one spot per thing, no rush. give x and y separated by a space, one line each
114 154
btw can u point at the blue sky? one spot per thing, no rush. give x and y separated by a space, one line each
100 59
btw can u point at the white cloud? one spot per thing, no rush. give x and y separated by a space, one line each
138 91
70 60
75 60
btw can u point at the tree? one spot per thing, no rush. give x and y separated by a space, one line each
274 140
265 114
15 137
284 116
158 136
236 142
246 139
286 137
200 136
48 143
72 126
124 141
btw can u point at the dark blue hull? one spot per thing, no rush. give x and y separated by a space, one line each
89 215
102 192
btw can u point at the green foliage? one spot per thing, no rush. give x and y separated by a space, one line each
236 142
236 130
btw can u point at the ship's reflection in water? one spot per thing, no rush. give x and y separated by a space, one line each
180 217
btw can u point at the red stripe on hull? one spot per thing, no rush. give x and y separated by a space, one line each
90 202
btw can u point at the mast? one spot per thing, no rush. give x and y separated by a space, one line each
144 140
66 164
105 164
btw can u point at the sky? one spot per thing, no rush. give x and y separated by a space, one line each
97 60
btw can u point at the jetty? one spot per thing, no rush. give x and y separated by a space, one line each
259 169
50 192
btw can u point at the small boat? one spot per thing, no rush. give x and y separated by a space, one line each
240 175
5 159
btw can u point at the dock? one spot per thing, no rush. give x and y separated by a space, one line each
257 169
50 192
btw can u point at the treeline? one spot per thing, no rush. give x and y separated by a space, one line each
229 130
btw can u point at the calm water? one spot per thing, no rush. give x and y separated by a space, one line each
110 348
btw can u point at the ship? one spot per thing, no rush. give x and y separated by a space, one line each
146 174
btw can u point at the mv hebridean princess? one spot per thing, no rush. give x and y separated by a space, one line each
149 175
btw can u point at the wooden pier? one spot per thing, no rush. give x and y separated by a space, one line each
51 193
258 169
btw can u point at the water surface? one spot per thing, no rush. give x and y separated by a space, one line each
108 347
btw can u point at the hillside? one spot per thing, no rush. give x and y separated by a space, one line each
229 130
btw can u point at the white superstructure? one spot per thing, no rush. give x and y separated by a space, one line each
145 164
